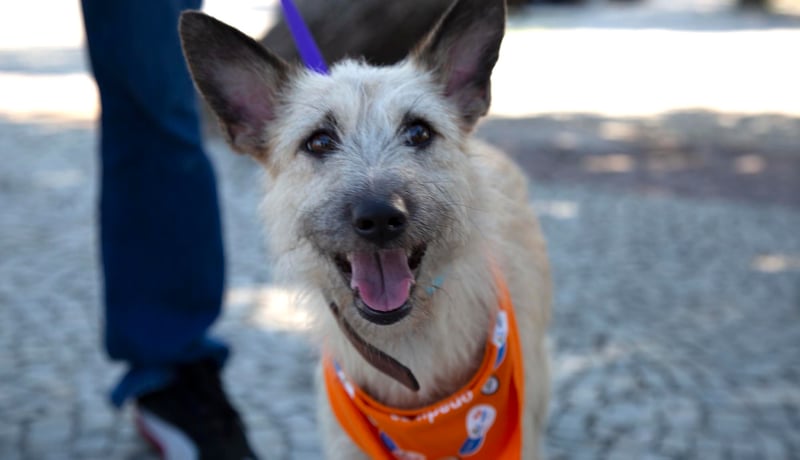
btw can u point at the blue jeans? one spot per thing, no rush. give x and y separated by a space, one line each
160 230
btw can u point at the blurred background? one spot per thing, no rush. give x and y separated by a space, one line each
662 138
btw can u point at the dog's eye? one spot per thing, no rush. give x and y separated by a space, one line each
418 134
320 143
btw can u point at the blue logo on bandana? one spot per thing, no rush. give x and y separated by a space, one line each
500 337
479 420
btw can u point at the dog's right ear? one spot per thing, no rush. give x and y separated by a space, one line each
238 77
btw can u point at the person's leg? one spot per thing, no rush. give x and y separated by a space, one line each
160 231
161 239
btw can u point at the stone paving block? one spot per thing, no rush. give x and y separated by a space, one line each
49 432
628 414
10 452
308 441
655 456
302 454
572 425
10 440
732 424
584 395
677 444
626 449
268 442
618 386
132 448
50 455
710 448
27 409
681 412
646 435
92 445
746 448
96 418
774 449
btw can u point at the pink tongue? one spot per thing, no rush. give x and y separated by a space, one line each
382 278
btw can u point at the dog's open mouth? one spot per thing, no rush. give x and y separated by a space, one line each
381 281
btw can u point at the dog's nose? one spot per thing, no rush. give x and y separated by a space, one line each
378 220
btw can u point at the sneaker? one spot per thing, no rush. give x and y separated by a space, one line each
192 419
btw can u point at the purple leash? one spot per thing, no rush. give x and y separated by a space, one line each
303 40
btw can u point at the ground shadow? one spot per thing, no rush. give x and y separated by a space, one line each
642 17
690 153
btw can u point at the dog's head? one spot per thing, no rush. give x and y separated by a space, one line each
371 188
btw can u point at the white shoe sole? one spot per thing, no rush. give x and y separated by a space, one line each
171 442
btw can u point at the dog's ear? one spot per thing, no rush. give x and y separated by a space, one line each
238 77
462 51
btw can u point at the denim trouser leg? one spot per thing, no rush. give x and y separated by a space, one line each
159 217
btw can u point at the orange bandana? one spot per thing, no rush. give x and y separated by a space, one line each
483 420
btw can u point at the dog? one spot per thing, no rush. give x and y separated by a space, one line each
416 238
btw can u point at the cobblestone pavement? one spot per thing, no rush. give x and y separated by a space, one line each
675 329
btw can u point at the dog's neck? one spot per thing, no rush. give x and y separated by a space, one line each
443 351
373 355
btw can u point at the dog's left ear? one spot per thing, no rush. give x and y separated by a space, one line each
462 51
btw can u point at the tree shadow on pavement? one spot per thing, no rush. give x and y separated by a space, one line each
636 17
699 154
